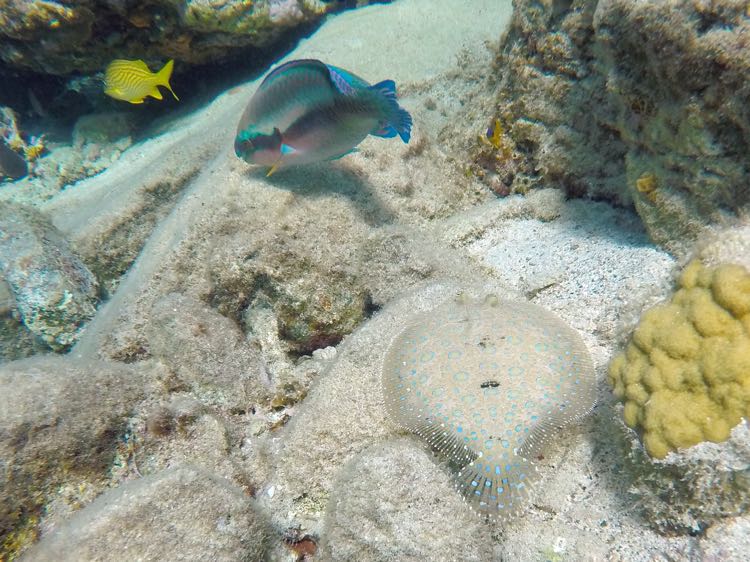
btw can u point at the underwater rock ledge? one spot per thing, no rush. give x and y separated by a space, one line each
584 104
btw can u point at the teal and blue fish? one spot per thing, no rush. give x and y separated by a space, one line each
308 111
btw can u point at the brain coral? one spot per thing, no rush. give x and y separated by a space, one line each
487 385
685 376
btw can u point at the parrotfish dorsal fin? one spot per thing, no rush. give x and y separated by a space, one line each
346 82
290 68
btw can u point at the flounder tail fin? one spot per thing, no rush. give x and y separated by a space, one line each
163 76
398 119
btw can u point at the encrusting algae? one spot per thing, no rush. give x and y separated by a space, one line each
488 385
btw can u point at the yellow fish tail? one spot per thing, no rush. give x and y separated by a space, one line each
163 76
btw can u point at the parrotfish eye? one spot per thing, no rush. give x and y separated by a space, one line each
243 146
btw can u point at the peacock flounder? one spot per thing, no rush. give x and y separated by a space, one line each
488 385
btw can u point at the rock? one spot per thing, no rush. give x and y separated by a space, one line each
207 351
694 489
102 128
54 291
393 502
680 115
86 36
552 108
60 419
595 111
181 513
16 342
12 164
13 160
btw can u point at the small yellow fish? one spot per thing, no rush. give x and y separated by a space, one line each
131 80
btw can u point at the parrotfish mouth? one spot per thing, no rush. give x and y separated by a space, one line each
258 148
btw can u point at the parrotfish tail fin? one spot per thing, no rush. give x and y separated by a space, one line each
398 119
163 76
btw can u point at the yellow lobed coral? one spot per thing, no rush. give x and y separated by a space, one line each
685 375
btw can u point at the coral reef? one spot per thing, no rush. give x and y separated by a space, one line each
54 293
86 36
488 385
694 489
220 282
685 376
588 107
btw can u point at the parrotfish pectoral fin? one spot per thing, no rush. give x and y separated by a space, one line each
274 168
398 118
286 149
387 132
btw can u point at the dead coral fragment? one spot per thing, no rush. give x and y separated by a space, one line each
685 375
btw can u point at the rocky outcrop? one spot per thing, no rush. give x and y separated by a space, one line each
54 293
85 36
644 104
181 513
60 420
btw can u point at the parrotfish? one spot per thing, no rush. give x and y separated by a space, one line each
131 80
308 111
